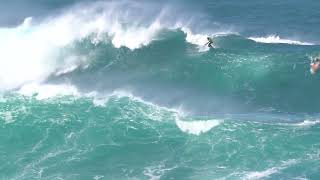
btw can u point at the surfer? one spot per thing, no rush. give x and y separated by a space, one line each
315 65
210 42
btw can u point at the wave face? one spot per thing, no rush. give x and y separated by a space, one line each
127 90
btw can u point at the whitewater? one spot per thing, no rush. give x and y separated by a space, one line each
128 90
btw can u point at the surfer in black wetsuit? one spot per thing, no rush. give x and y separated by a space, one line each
210 42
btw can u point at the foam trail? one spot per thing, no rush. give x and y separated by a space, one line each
305 123
308 123
268 172
274 39
262 174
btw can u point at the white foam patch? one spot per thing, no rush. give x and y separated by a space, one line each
97 177
197 127
47 91
261 174
8 117
308 123
274 39
266 173
156 172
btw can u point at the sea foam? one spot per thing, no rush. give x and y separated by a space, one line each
274 39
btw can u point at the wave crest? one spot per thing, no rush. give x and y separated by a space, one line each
274 39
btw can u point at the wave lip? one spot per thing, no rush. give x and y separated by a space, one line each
275 39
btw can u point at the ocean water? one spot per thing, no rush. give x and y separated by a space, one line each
127 90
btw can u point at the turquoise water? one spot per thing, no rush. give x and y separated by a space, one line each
126 90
